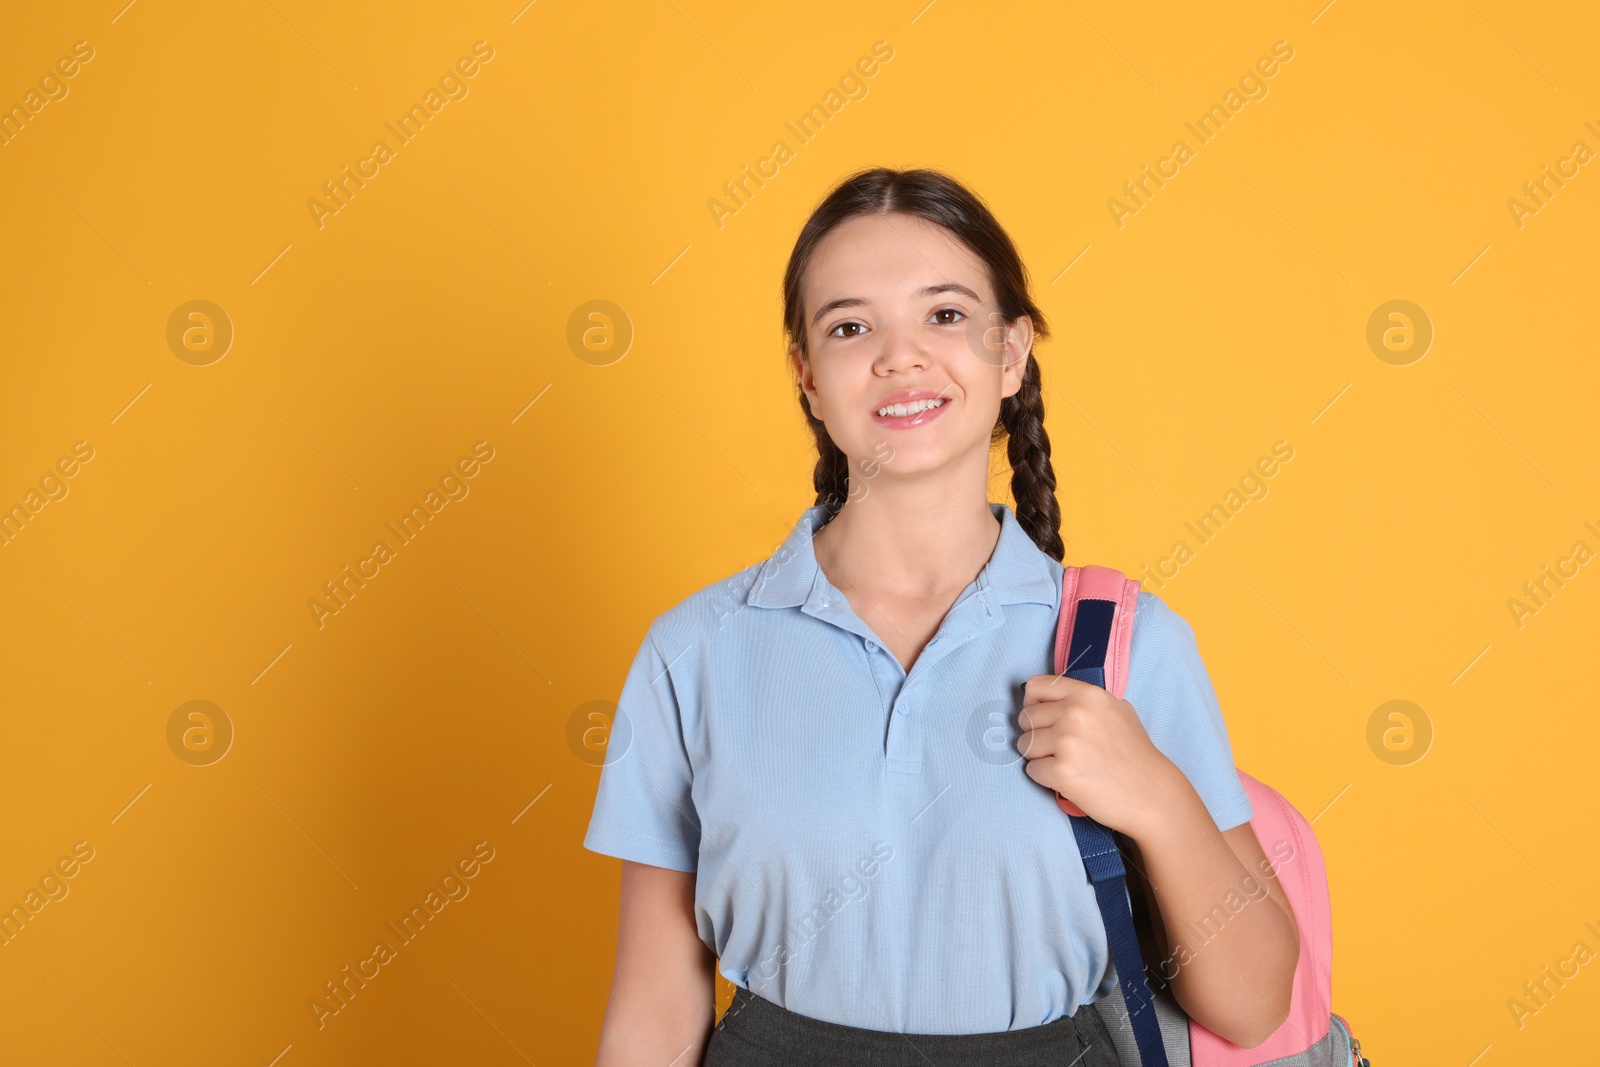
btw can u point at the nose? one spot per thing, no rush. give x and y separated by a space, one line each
900 349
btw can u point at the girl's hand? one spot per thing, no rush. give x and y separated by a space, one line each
1090 747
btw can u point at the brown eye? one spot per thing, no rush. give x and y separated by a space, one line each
835 331
948 311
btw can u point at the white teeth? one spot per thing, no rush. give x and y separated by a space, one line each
911 408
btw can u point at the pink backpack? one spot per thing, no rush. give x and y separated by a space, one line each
1151 1030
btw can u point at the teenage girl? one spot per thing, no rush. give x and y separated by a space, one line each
832 776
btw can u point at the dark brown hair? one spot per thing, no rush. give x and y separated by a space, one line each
943 201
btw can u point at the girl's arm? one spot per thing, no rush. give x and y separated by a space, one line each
1235 972
662 1003
1228 953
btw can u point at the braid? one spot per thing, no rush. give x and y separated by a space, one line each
1033 480
831 476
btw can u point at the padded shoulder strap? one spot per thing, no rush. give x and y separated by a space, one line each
1105 599
1093 639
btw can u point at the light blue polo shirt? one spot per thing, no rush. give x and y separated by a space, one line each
868 848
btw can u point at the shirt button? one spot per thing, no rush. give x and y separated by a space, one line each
871 648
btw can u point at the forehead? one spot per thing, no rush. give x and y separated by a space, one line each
883 257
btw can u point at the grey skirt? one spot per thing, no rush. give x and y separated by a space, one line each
755 1032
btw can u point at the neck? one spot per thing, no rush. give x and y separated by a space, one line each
917 540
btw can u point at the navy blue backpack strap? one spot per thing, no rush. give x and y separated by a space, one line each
1092 639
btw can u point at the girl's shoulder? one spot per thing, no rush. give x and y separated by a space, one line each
1152 605
1158 630
1154 620
707 613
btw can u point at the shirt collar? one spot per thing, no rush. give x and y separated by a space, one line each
1018 572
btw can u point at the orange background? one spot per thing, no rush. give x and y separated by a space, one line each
431 311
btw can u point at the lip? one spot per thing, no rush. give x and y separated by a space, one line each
906 396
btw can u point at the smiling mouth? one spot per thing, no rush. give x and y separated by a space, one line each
910 408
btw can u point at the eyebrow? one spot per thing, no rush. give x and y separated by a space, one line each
927 290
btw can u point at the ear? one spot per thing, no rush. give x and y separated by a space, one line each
1019 342
808 384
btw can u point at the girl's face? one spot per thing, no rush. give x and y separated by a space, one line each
900 312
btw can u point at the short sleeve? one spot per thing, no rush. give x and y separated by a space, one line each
644 810
1170 689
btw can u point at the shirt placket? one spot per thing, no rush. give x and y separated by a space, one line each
975 612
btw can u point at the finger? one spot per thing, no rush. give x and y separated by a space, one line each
1035 744
1049 705
1041 770
1042 702
1050 687
1039 715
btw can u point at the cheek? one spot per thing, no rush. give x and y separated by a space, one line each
842 381
984 340
979 387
